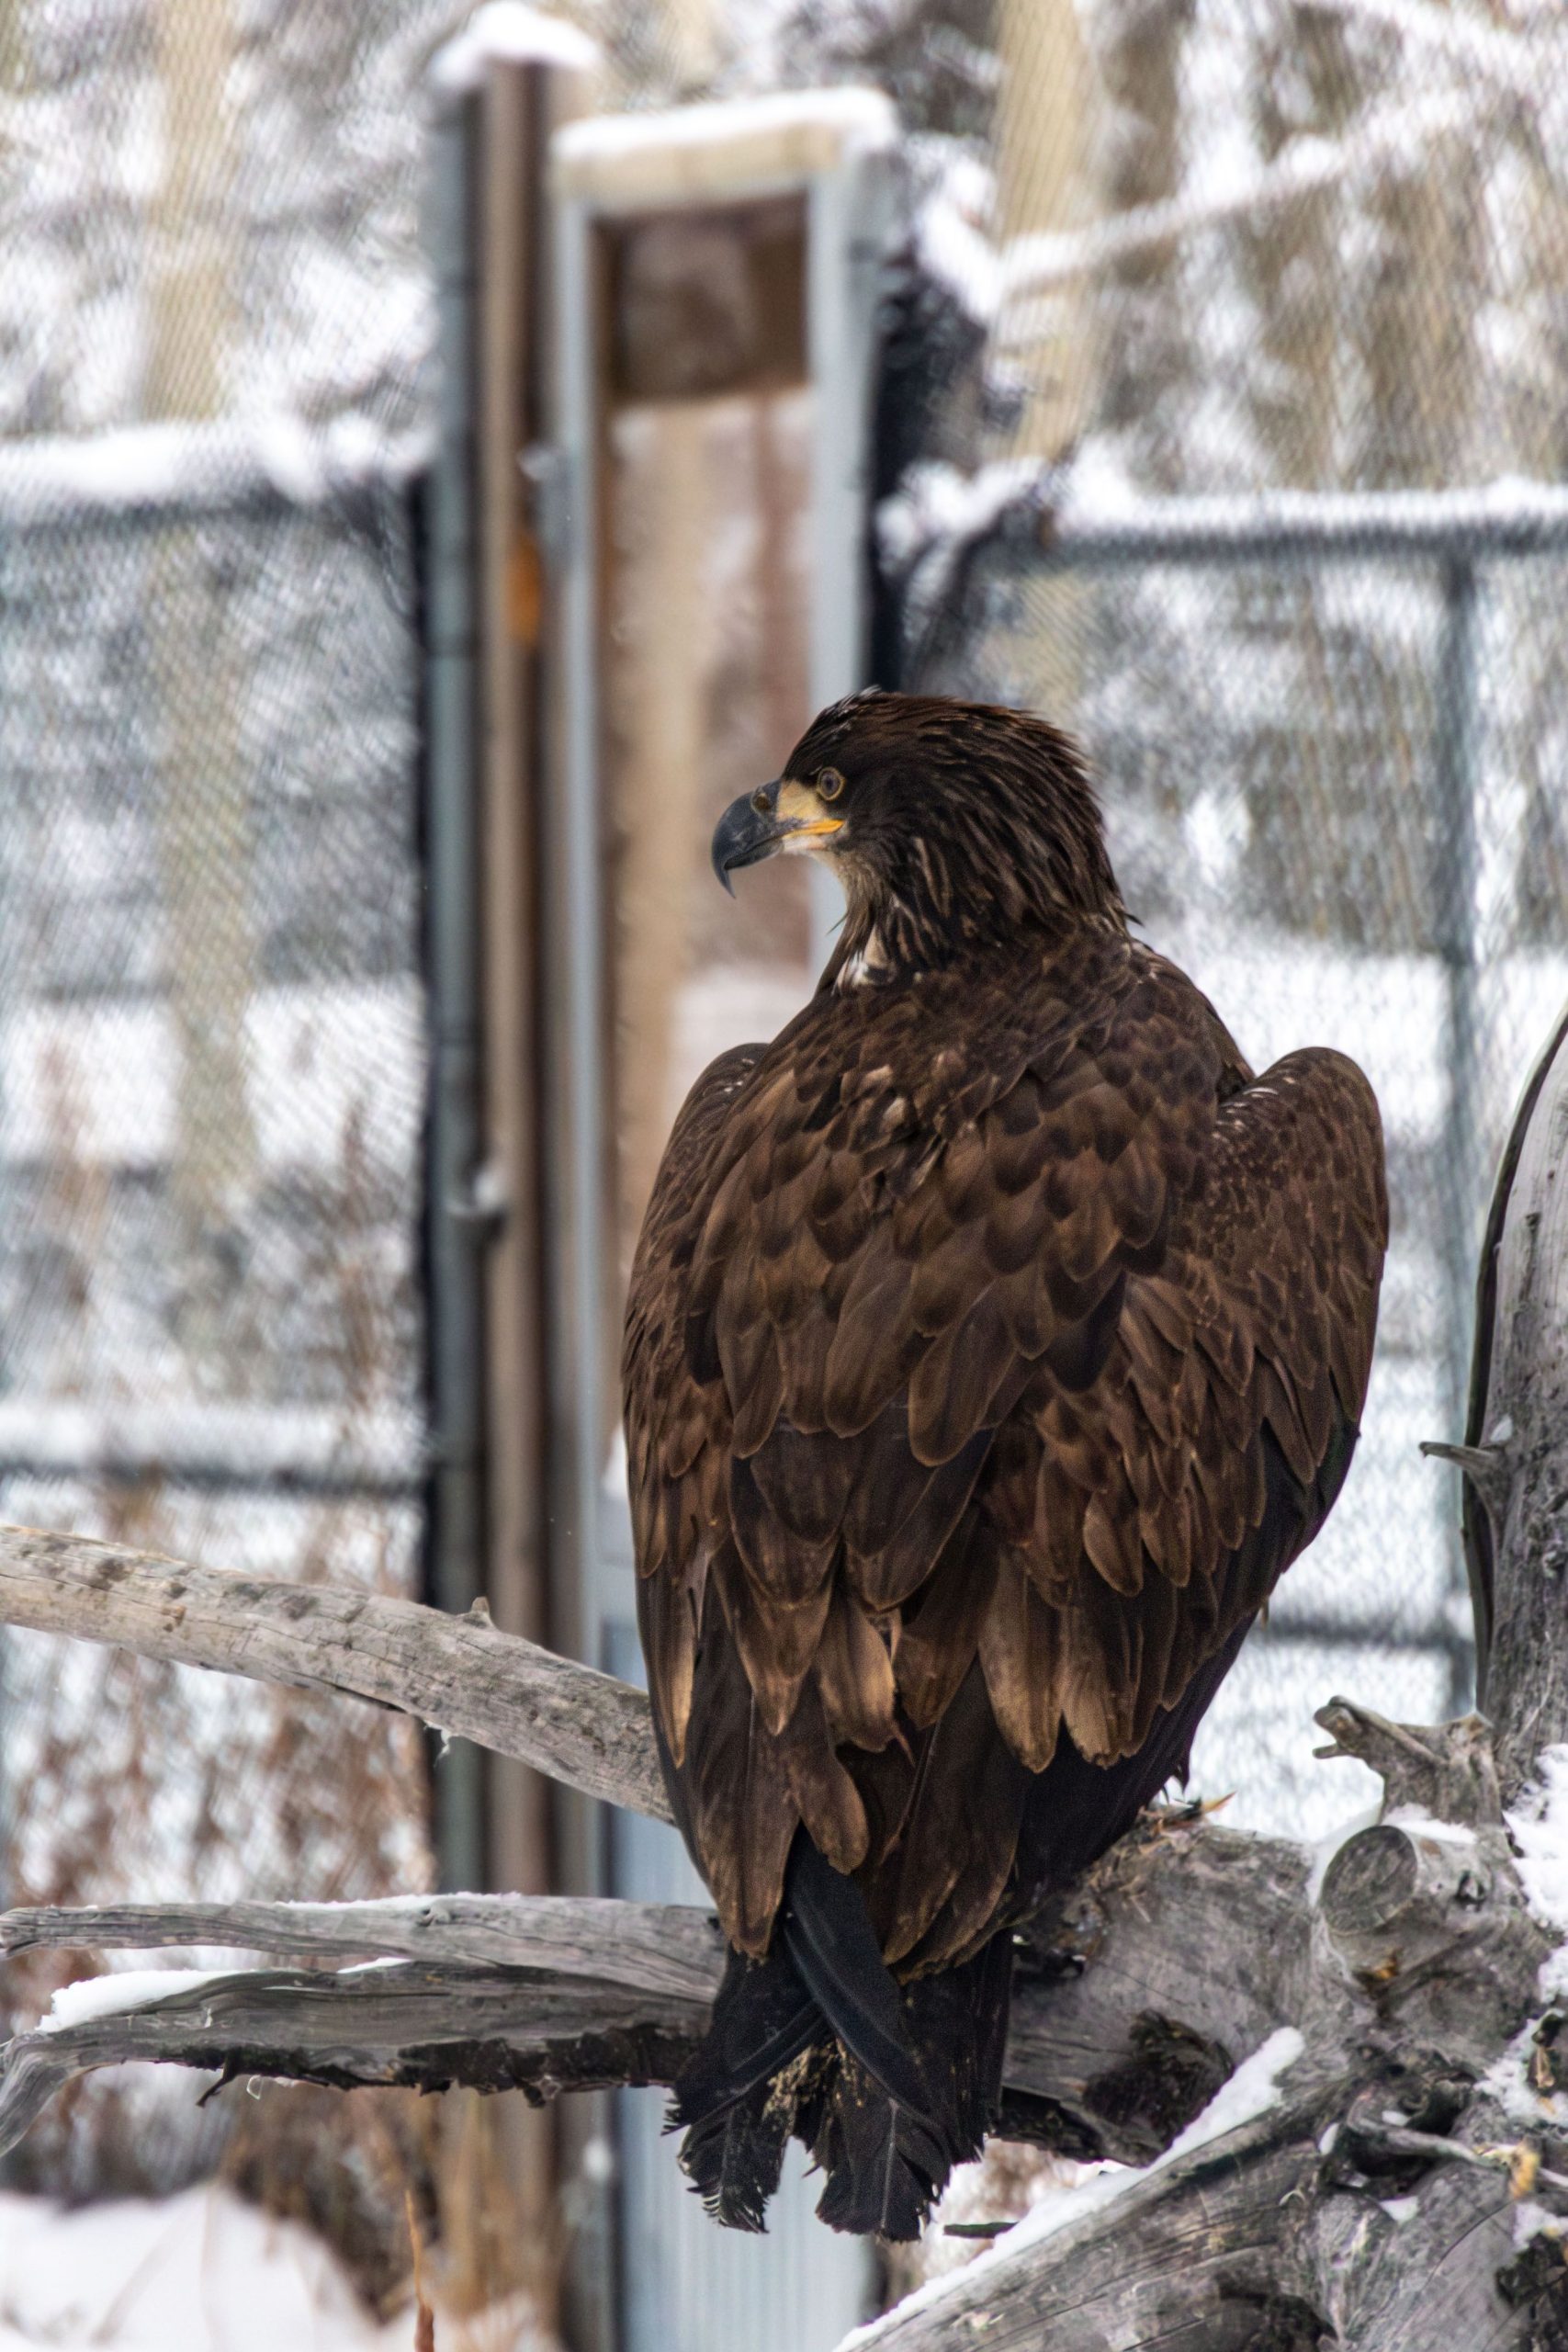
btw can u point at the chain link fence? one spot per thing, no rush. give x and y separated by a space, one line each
211 1071
213 332
1240 303
1250 255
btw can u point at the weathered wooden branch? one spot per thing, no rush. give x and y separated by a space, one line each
460 1674
659 1948
422 2024
1114 2042
1369 2208
1373 2206
1516 1519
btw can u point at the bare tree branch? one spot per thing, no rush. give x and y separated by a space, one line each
425 2025
1204 2250
1037 265
1516 1519
460 1674
1116 2041
659 1948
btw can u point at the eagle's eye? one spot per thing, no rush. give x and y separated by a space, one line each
830 784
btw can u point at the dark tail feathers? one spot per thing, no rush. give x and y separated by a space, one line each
888 2088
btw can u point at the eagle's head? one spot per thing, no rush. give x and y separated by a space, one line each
952 827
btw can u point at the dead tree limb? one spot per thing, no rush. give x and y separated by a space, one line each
1516 1444
419 2024
659 1948
1115 2043
460 1674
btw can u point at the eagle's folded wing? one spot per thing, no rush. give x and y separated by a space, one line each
971 1404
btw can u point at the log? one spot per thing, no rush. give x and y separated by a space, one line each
1253 2241
1515 1455
420 2024
461 1675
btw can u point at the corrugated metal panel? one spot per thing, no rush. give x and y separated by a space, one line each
686 2285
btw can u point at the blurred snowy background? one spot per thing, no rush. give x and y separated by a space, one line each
1155 251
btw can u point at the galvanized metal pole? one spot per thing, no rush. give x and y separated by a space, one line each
849 214
454 1301
575 1176
1461 1206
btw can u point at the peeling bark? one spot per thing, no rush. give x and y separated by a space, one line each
660 1948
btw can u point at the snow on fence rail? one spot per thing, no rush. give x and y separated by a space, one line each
174 473
316 1450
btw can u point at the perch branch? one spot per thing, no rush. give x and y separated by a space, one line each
1116 2041
459 1674
1201 2250
659 1948
423 2025
1445 1770
1516 2158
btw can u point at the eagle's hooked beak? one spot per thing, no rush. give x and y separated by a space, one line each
776 816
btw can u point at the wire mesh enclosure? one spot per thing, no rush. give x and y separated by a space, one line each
213 321
1239 302
212 1067
1221 415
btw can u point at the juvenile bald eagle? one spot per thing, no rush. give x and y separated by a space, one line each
995 1338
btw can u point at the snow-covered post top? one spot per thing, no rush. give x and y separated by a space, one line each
687 153
505 32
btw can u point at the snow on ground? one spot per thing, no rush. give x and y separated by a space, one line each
315 1059
201 2272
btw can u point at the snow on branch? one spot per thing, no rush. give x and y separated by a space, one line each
1512 60
459 1674
425 2025
1039 264
1118 2260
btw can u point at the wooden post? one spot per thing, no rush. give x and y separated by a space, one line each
1048 109
521 104
202 819
509 2151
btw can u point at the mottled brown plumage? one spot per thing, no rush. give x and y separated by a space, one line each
995 1341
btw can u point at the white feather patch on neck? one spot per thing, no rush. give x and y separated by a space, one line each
868 964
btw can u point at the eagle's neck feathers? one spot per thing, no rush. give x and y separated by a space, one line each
979 871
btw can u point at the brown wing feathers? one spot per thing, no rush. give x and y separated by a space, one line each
952 1383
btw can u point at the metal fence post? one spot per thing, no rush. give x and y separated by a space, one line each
1457 726
455 1529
